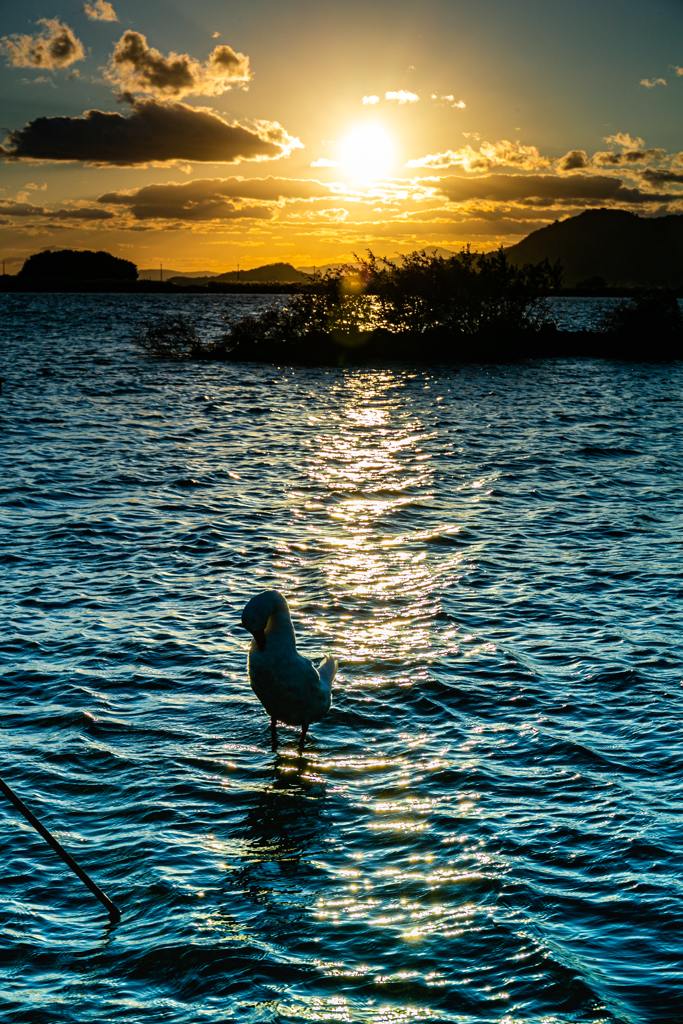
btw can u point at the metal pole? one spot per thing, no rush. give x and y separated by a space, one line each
112 909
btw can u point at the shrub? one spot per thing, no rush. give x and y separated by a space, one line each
175 338
646 318
469 292
414 310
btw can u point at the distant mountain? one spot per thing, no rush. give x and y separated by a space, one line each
621 248
279 273
152 274
76 265
283 273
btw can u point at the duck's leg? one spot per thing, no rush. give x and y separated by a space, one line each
304 730
273 733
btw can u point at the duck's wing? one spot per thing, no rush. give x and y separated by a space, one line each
328 670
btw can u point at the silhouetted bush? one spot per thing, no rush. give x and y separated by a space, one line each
74 265
592 284
426 307
468 292
176 338
650 325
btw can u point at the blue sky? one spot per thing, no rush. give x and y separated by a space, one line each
460 96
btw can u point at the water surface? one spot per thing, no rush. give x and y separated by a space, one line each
486 828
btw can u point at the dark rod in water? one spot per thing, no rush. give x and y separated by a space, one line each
112 909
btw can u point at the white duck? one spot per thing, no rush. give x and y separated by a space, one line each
290 688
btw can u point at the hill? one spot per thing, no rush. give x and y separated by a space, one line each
620 247
278 273
76 265
281 272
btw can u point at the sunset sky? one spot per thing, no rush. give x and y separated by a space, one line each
212 133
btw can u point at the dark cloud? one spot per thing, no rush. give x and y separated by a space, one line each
21 209
212 198
559 189
151 132
81 213
57 47
216 210
17 209
629 156
653 177
136 67
574 160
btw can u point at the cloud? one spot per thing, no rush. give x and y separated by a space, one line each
450 100
629 156
490 155
539 189
402 96
81 213
57 47
213 198
653 177
324 162
137 68
19 209
624 139
650 83
151 133
100 10
679 71
333 215
574 160
370 100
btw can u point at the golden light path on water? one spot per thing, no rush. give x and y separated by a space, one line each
396 887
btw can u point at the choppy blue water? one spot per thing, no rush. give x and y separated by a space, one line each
486 828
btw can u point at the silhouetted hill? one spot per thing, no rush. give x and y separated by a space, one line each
283 272
73 265
278 273
620 247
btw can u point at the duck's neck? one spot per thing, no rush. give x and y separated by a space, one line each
280 630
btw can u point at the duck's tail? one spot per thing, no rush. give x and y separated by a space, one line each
328 670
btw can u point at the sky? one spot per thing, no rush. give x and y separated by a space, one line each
213 134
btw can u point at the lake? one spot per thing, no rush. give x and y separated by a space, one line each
488 825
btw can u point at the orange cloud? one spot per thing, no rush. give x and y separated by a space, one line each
136 67
489 155
57 47
100 10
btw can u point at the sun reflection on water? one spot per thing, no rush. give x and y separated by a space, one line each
408 870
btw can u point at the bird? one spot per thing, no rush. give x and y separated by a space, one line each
291 689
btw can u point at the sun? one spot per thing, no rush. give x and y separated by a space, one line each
367 152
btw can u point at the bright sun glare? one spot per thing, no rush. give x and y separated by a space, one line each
367 152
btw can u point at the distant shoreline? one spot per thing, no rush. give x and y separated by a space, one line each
9 283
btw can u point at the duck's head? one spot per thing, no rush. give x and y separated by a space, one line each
258 612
